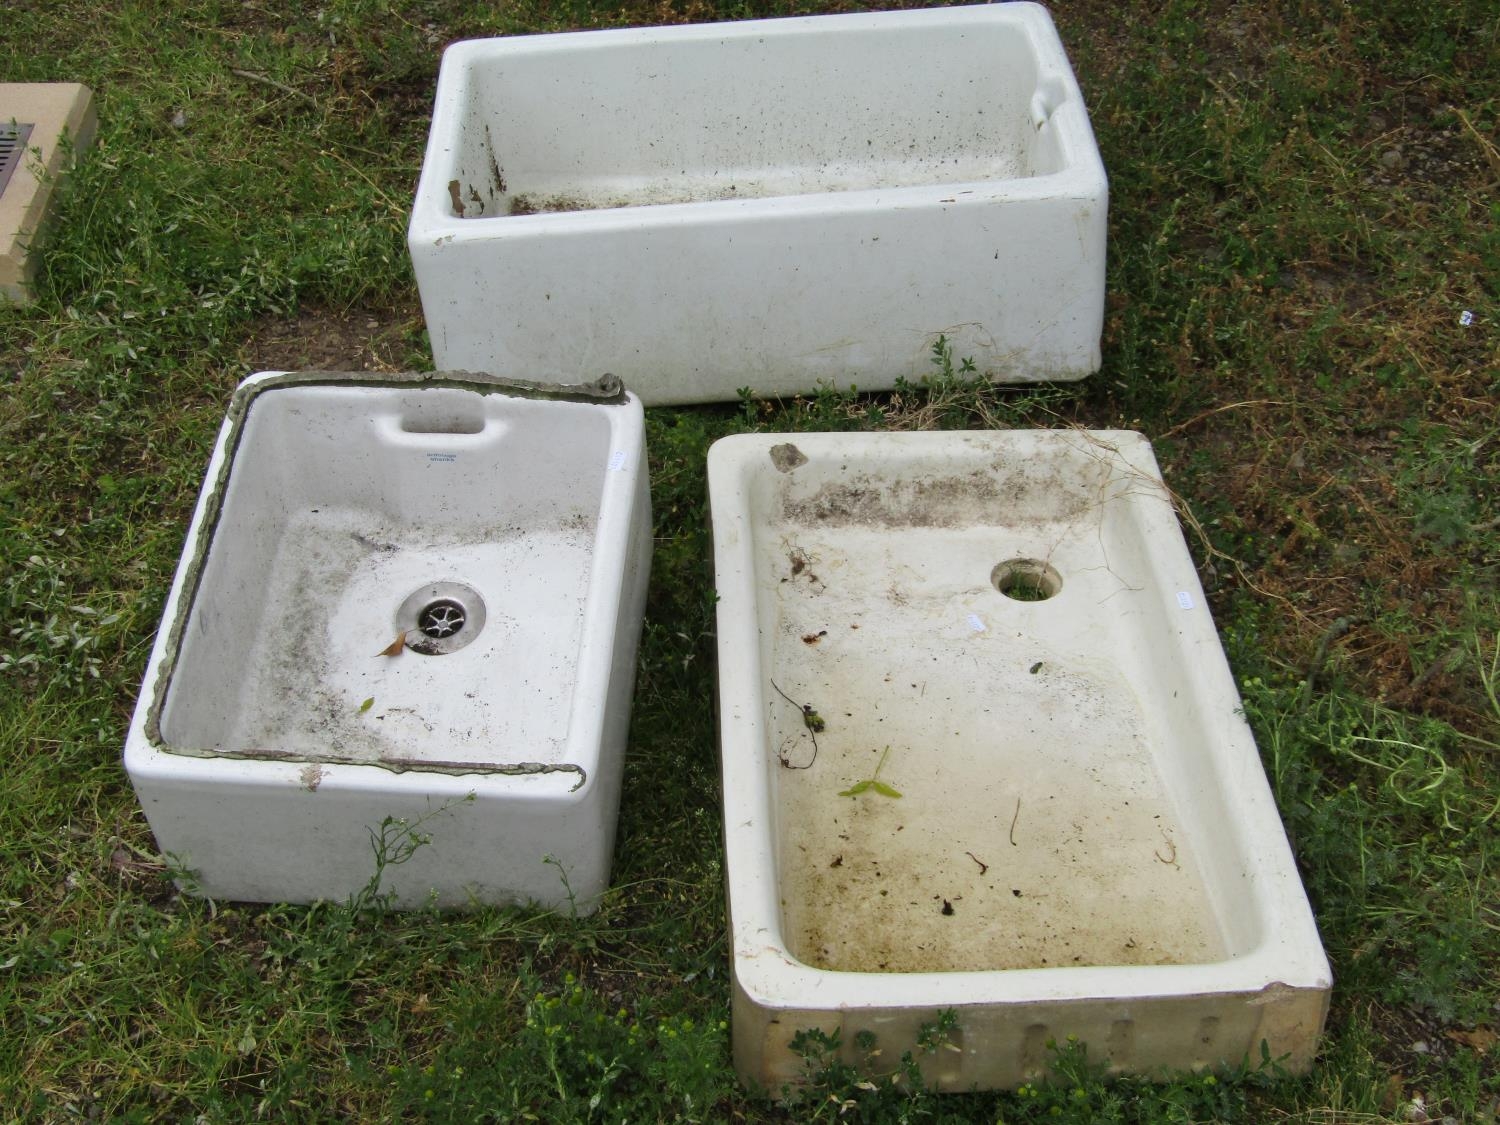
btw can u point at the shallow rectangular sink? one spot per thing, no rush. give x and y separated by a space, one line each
772 204
403 598
982 751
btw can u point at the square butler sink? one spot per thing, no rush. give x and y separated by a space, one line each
1072 832
413 597
773 204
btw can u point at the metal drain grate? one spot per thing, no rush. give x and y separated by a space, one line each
13 140
442 618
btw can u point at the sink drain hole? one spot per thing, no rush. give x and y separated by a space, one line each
441 618
1026 580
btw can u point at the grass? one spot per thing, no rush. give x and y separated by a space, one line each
1303 204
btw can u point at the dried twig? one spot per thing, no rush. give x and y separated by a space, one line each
1486 146
811 720
1184 511
1331 634
1196 418
1439 667
264 80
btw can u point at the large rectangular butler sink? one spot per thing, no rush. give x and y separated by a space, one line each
771 205
982 752
401 642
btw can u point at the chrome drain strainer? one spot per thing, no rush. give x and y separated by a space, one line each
440 618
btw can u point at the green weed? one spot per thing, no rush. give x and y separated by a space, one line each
873 782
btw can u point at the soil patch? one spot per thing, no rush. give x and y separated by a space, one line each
318 339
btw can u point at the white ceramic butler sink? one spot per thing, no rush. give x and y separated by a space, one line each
407 604
772 204
982 751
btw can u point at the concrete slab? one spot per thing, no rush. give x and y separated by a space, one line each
63 122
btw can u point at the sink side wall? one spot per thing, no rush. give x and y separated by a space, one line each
1000 1045
804 109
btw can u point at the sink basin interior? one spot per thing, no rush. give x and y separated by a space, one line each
1037 824
633 118
346 502
1054 809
